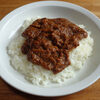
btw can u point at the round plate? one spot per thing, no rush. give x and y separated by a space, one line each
10 24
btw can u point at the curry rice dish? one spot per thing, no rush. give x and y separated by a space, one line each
47 50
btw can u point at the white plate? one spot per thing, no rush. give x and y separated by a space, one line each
12 22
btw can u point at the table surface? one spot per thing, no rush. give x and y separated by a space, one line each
7 92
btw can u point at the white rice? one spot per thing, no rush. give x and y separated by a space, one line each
40 76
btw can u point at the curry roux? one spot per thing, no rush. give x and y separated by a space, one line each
49 41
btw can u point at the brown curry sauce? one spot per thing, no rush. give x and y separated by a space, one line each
49 41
